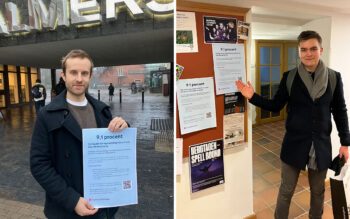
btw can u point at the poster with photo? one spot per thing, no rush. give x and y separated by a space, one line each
243 30
220 29
186 32
207 165
233 103
233 130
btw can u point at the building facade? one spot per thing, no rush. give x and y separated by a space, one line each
35 34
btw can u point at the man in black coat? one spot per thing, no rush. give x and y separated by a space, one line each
56 160
60 86
39 95
111 92
307 141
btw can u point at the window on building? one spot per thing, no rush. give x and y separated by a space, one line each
34 75
13 87
24 84
2 88
13 84
45 76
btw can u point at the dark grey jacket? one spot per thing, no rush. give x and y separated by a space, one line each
308 121
56 156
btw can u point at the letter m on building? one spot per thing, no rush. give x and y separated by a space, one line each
41 17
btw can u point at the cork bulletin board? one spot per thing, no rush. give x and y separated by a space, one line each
200 65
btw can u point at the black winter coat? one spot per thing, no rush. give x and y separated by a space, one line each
308 121
56 156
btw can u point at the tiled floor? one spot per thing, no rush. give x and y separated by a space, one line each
267 139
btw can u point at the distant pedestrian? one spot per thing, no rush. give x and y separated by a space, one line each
39 95
133 87
60 86
111 92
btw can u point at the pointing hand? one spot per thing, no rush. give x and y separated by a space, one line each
247 90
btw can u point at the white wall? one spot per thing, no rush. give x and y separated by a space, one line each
252 74
340 61
233 199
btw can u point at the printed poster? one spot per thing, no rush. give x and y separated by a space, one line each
196 104
233 130
207 165
233 103
109 167
220 29
243 30
186 32
179 149
229 66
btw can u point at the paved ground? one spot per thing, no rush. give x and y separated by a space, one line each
22 197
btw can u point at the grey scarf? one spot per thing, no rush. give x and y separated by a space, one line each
318 86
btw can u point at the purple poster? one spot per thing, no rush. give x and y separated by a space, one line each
220 29
207 165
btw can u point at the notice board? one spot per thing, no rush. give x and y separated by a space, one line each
199 65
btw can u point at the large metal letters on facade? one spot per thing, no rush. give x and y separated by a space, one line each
131 4
41 17
162 8
13 19
78 8
79 12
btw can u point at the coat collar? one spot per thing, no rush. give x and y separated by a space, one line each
59 104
